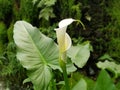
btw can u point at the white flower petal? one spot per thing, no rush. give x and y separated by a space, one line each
65 22
61 38
68 42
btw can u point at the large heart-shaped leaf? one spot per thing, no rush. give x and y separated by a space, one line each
79 54
37 53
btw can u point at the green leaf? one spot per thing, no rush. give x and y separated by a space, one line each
37 53
106 57
50 2
104 82
79 54
118 85
76 77
41 3
111 66
70 66
26 80
81 85
47 13
44 3
34 1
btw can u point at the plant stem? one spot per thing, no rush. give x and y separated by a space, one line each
81 24
63 66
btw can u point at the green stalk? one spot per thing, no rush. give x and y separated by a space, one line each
62 62
81 24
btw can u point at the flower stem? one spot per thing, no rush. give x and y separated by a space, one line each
81 24
63 66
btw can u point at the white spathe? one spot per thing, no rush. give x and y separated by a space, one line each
65 22
63 39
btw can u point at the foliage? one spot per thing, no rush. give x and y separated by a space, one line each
106 57
46 7
80 85
93 16
49 31
41 59
76 77
102 31
113 10
113 29
10 33
26 10
104 82
11 68
3 37
80 54
6 10
114 50
118 85
111 66
45 55
68 8
9 61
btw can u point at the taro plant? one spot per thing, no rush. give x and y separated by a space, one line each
41 56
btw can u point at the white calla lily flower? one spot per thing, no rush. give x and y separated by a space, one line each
63 39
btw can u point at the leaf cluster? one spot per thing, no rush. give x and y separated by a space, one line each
46 8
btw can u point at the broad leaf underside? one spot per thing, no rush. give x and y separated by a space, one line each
36 52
